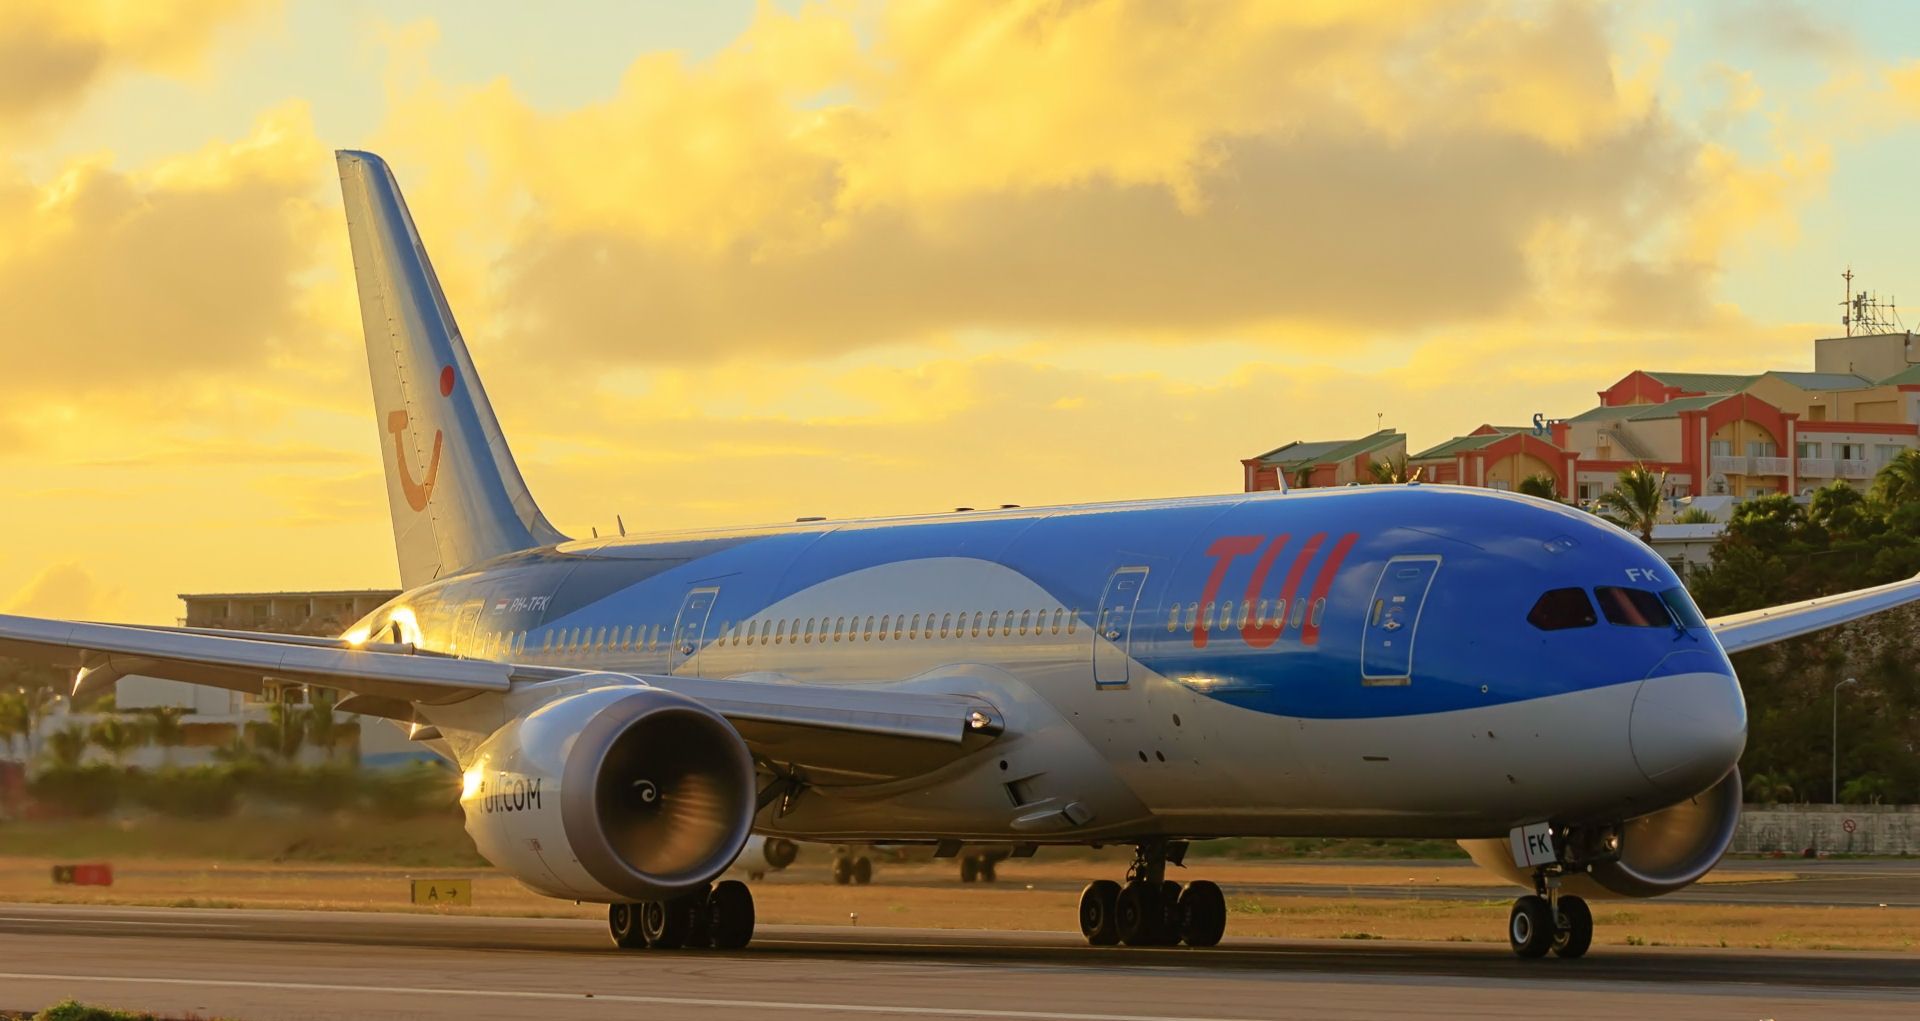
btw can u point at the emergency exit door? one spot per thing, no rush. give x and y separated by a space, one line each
1113 631
690 629
1393 620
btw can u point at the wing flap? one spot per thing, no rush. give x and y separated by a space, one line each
1741 631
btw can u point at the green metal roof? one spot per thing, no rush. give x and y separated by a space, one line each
1823 380
1673 408
1911 375
1458 444
1302 454
1616 411
1704 382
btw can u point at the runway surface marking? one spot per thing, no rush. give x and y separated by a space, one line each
656 1001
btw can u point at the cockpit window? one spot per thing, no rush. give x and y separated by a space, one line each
1562 608
1632 607
1680 604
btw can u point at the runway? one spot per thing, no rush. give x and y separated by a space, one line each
261 965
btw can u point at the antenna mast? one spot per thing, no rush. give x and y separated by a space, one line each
1865 312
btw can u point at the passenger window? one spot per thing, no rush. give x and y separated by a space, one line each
993 623
1026 617
780 632
1206 615
1319 607
1059 613
886 621
977 617
916 626
1260 615
546 641
1557 610
1632 607
1246 615
1073 620
900 626
1299 611
1173 619
808 640
839 628
1226 615
1193 616
1006 624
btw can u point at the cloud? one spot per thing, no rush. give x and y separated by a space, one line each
63 590
193 266
52 51
1073 172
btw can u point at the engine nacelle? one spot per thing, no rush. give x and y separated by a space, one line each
1659 852
616 793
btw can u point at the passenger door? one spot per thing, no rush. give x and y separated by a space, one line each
1393 619
1113 633
690 628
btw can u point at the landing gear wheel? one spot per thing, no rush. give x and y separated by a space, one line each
1097 908
699 933
969 869
1170 921
1530 926
729 915
842 871
666 924
1574 934
862 871
1203 914
623 924
986 871
1137 914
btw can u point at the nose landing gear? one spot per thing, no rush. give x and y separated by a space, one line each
720 917
1151 910
1549 921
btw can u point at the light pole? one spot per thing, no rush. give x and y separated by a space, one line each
1836 737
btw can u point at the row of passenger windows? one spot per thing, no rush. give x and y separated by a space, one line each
811 630
1268 613
1563 608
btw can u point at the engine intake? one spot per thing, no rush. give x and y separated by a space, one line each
615 793
1658 853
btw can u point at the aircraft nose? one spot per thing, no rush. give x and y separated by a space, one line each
1687 727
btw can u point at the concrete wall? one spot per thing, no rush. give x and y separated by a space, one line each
1875 829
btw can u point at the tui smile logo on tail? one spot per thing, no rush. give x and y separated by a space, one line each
418 493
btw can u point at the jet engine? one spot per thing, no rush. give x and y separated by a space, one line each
615 793
1648 856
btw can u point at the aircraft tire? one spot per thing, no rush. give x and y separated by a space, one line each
986 871
1170 923
1203 914
842 871
1575 933
623 924
665 923
1530 926
1137 914
862 870
969 869
729 913
1097 906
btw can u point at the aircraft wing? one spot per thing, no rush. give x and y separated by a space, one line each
1741 631
850 733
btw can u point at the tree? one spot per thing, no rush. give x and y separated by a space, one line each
1538 484
67 748
1695 516
165 729
285 731
1898 481
1635 500
117 735
322 726
1392 472
1842 513
1770 522
15 720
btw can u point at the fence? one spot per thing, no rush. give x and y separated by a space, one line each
1836 829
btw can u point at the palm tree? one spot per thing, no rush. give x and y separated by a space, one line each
67 748
286 730
1695 516
1899 479
1634 501
14 719
116 735
323 728
1392 472
1538 484
165 729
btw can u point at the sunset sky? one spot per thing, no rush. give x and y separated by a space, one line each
725 262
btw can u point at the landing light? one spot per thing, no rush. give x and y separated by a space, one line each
470 783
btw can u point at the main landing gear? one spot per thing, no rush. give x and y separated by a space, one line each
849 868
1152 910
1549 921
720 916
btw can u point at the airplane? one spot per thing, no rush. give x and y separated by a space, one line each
628 711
